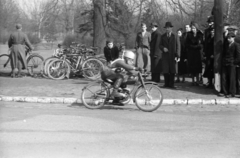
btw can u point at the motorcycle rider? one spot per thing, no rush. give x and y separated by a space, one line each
118 76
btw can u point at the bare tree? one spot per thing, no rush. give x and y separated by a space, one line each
99 24
40 12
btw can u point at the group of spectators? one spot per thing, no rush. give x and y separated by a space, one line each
188 52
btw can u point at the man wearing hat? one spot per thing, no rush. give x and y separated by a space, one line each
170 46
18 42
155 53
230 58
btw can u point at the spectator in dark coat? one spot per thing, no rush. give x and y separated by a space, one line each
209 54
18 42
111 52
142 46
155 53
194 44
234 29
182 64
230 59
170 46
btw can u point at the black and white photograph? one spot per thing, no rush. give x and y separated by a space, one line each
119 78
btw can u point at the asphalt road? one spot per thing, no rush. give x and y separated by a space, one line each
30 130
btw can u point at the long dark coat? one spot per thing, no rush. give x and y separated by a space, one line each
209 51
17 42
194 45
182 65
172 43
155 52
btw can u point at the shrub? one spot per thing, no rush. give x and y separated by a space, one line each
33 38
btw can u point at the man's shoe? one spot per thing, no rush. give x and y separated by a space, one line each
220 94
116 94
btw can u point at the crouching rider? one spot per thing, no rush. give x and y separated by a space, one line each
119 71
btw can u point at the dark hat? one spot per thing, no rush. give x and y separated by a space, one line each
168 24
154 24
210 19
18 26
109 41
231 34
232 28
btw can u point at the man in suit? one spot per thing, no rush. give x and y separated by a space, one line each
230 59
18 42
170 46
155 53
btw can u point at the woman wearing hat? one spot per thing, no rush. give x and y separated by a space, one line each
194 44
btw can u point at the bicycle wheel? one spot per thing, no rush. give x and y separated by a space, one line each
5 65
91 68
148 99
58 69
94 95
35 64
46 64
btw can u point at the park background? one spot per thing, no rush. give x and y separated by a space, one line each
92 22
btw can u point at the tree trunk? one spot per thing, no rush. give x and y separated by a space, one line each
99 25
218 40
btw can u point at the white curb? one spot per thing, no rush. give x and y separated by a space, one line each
180 101
194 101
43 100
232 101
69 100
56 100
31 99
168 102
19 99
209 102
222 101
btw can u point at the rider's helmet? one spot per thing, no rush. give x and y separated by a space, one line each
129 54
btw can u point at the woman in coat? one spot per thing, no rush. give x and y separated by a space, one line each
194 44
182 64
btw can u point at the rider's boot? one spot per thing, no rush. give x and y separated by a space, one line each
115 93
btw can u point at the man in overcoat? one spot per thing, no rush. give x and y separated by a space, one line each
155 53
18 42
170 46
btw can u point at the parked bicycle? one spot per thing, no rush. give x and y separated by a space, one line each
147 96
34 62
80 63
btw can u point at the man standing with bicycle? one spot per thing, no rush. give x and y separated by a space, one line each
17 42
